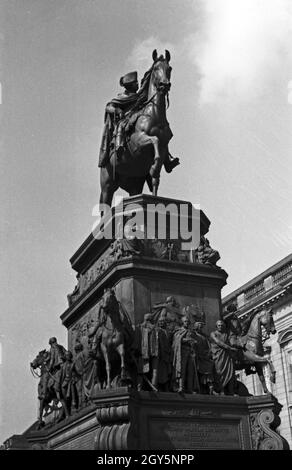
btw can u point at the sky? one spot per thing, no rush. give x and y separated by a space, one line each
230 113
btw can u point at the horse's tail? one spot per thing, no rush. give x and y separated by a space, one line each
127 324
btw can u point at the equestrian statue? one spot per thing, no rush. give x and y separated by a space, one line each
247 338
134 145
114 335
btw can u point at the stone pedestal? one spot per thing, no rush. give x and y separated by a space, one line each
143 272
152 271
125 419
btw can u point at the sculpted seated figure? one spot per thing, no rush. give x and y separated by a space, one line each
205 254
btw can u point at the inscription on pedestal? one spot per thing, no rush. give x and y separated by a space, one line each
188 434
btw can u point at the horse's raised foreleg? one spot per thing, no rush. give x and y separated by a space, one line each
253 357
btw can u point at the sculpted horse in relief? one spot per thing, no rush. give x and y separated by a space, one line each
147 140
114 334
249 341
46 386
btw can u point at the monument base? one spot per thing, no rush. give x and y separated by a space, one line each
125 419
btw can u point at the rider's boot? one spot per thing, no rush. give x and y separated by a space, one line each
119 143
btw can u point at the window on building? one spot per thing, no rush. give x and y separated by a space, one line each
285 341
288 356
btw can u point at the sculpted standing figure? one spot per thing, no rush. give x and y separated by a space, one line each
79 371
57 359
67 384
222 356
204 359
147 349
162 363
184 367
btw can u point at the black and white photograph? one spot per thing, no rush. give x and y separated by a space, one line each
146 228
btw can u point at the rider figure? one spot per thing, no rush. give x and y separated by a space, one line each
114 122
114 113
57 355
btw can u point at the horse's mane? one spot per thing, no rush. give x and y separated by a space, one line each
143 92
246 323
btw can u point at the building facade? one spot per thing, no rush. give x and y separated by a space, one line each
272 289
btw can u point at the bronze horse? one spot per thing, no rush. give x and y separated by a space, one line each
248 339
46 388
114 333
146 140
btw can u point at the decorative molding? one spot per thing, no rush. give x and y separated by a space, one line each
263 424
263 437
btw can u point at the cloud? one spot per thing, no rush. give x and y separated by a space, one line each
242 47
141 57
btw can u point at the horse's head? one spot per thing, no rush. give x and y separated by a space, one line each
161 71
109 300
232 322
40 359
267 321
234 325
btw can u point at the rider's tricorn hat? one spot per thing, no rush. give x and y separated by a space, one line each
129 78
